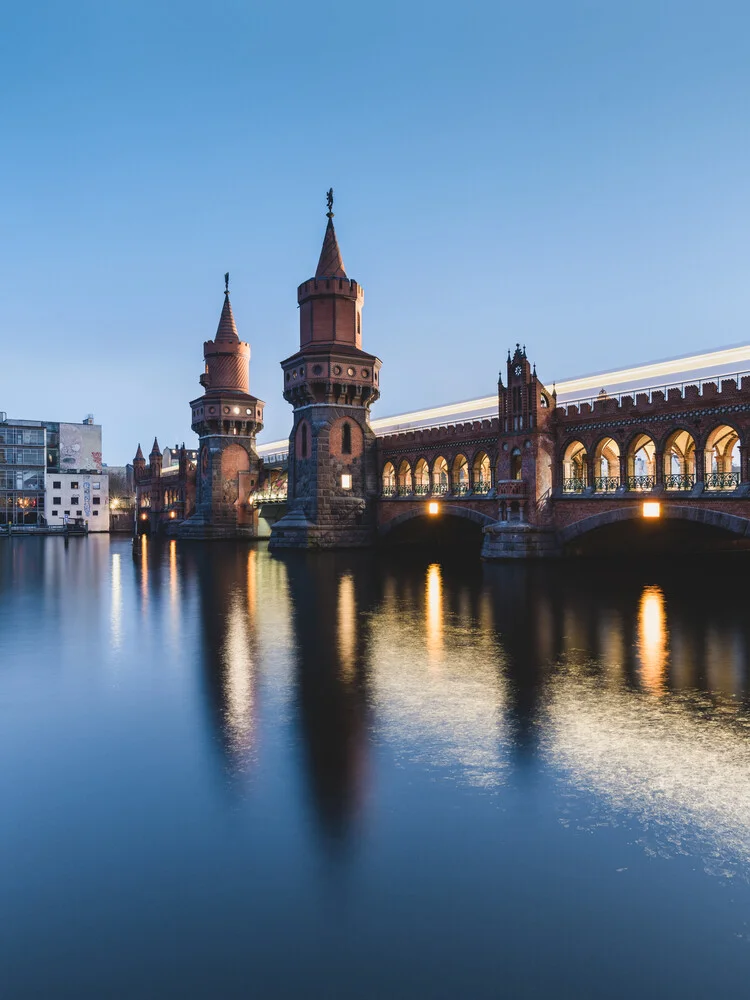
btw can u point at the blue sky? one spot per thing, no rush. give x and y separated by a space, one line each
572 175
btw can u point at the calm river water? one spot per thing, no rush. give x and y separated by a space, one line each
350 775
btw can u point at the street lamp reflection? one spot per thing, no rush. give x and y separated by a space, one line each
653 639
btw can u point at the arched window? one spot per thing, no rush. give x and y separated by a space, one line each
303 441
607 466
515 464
722 471
679 461
460 475
575 473
389 480
482 473
642 463
404 479
440 475
421 477
346 439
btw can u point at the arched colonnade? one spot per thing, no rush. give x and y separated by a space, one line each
679 460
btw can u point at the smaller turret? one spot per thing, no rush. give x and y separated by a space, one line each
139 465
155 460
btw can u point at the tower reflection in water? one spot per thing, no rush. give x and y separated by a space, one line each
616 684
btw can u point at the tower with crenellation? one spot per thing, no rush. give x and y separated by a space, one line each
331 382
226 418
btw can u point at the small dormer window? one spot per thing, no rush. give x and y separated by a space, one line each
544 401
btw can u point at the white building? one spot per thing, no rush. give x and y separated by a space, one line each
78 494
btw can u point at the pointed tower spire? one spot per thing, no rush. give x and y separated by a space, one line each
139 454
226 332
331 264
156 450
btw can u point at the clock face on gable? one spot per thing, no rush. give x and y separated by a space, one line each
518 369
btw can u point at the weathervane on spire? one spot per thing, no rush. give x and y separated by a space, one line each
226 283
329 199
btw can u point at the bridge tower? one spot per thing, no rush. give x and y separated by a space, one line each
525 465
331 383
226 418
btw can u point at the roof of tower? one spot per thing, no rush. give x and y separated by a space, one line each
156 450
330 264
227 328
139 453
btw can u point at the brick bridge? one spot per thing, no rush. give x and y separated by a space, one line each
539 477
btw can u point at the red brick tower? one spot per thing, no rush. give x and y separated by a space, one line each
226 418
331 383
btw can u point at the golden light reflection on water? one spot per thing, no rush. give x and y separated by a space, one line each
680 765
347 625
434 612
447 718
238 675
653 640
115 617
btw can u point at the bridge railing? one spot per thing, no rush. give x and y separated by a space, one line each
679 481
721 480
606 484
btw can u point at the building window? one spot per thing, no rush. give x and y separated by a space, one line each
56 501
96 513
346 481
74 486
346 439
96 486
79 513
66 513
96 500
75 500
57 485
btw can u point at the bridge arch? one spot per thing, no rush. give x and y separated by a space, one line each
732 523
446 510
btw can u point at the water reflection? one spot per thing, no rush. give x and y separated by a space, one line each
653 640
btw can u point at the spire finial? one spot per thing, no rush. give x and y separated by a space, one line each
329 200
226 283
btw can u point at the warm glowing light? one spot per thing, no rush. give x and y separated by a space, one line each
347 624
651 509
346 481
652 639
434 616
236 409
172 513
432 507
144 517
